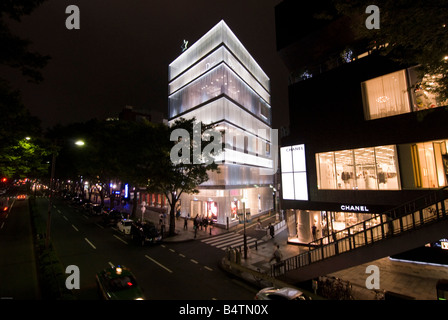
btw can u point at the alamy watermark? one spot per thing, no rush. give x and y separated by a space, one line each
373 20
266 153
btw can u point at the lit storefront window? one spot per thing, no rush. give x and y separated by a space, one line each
431 163
372 168
386 96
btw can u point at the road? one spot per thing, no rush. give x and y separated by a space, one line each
168 271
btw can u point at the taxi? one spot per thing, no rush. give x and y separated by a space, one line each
118 283
124 226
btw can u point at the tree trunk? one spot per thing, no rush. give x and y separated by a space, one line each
172 230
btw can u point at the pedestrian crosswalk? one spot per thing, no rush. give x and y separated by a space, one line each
231 239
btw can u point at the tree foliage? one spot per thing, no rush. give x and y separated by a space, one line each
411 32
174 179
19 157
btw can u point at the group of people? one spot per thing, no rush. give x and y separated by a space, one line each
198 223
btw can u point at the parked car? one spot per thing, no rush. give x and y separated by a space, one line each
124 226
145 232
96 209
112 217
285 293
118 283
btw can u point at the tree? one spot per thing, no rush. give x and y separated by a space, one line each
173 178
21 150
410 32
15 51
19 157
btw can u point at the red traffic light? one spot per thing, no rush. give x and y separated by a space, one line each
4 179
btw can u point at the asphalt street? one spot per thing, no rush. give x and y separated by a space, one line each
167 271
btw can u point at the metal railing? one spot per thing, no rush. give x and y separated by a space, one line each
409 216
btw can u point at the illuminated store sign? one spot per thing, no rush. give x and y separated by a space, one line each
354 208
293 168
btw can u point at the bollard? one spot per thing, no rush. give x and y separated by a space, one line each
256 245
238 256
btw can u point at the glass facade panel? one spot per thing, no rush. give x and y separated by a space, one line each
427 165
220 33
212 60
372 168
366 173
214 83
224 109
386 96
326 170
345 169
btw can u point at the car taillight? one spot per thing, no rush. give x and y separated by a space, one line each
5 208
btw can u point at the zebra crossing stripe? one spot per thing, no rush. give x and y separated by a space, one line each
221 236
211 241
229 239
237 242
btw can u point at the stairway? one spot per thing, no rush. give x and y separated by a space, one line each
403 228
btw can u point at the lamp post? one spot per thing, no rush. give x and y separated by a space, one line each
50 200
244 236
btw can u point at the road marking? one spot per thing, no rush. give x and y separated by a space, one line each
75 228
159 264
99 225
65 218
172 250
91 244
59 211
182 255
2 225
194 261
120 239
209 269
111 264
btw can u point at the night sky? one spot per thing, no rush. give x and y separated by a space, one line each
121 53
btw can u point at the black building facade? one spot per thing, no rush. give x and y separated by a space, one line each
373 138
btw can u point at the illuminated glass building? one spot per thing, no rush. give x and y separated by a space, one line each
218 82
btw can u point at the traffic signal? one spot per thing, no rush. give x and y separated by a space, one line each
4 179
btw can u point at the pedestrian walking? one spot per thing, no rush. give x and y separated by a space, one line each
205 223
313 231
271 230
277 256
185 223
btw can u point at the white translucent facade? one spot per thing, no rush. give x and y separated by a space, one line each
218 82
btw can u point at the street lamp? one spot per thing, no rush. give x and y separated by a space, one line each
244 235
50 200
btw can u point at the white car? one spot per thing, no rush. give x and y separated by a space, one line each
286 293
124 225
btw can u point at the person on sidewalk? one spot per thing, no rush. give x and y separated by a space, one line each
271 230
185 223
277 256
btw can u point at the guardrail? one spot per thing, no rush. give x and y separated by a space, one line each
409 216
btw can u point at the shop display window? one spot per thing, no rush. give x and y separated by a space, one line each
372 168
386 96
431 163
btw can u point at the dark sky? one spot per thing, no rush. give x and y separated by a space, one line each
121 53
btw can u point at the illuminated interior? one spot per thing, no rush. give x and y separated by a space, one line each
218 82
